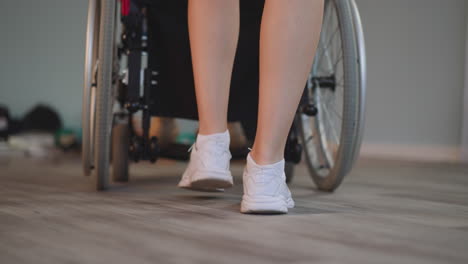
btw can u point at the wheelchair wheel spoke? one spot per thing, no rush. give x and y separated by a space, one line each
335 112
325 51
331 128
340 59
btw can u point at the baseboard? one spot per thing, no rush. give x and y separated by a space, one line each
432 153
464 155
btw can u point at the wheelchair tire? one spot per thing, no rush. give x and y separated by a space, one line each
104 99
328 165
89 88
120 147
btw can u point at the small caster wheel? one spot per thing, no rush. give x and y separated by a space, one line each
135 149
154 149
120 152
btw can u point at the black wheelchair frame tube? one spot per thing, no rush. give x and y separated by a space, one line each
134 45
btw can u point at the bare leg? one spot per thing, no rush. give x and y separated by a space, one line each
289 36
214 30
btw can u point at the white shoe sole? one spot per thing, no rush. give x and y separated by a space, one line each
266 205
201 189
211 180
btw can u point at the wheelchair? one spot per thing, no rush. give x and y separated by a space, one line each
138 60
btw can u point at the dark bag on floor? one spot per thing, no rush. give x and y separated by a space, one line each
5 122
41 118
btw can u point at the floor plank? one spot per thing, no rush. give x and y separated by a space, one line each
385 212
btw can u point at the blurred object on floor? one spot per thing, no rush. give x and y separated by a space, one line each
165 129
66 139
4 122
8 125
41 118
238 139
37 144
37 135
186 138
7 153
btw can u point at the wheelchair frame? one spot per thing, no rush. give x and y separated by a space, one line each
100 121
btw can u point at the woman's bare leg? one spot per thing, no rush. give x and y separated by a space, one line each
214 31
290 32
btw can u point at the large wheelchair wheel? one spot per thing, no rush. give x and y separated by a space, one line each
98 90
336 87
89 88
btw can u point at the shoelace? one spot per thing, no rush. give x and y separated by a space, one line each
191 147
224 150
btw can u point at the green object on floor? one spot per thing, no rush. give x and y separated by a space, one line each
187 138
65 138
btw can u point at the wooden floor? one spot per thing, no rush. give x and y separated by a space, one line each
385 212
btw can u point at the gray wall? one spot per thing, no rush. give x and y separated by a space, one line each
415 58
416 67
464 154
42 55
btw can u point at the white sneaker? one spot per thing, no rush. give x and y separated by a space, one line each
265 188
208 168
